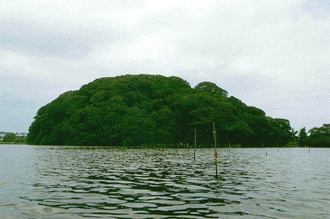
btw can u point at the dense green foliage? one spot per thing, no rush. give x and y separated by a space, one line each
318 137
9 137
153 109
13 138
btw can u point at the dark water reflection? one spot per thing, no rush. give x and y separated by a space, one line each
110 183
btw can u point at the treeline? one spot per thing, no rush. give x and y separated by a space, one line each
13 138
317 137
136 110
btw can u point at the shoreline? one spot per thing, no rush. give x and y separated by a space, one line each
13 143
139 147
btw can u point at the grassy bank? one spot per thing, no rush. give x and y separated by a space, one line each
9 143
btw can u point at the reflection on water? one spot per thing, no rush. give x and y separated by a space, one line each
112 183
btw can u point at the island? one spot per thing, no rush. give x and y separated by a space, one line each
142 110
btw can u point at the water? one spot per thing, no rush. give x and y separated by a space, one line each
68 182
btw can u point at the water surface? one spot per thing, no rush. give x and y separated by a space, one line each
87 182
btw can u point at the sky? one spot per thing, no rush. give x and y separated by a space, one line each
273 55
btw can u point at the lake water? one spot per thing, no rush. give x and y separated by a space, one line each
84 182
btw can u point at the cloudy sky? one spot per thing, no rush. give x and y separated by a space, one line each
273 55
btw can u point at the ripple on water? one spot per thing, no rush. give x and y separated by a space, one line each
139 205
100 183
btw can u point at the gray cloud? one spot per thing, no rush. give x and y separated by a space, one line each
21 97
318 6
31 39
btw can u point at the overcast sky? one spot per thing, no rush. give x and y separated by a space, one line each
271 54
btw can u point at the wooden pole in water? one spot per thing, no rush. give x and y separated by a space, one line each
195 147
215 150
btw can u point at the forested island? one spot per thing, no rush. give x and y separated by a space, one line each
135 110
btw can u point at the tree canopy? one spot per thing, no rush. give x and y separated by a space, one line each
9 137
319 137
153 109
13 138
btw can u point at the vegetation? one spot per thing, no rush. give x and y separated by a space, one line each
134 110
13 138
318 137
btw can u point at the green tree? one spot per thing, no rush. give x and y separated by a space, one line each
279 132
319 137
211 88
9 137
303 137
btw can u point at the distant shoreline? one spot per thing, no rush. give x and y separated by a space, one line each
138 147
10 143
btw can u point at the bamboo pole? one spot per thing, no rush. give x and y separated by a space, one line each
215 150
195 147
